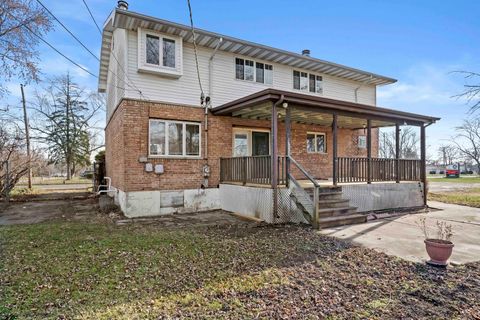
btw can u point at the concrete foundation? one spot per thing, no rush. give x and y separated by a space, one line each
154 203
380 196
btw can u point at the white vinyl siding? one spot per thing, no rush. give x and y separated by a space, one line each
225 86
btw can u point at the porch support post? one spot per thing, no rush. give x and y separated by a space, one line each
423 173
369 151
274 158
397 152
334 149
288 137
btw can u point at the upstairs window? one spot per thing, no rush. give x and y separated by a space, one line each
174 138
153 45
159 53
169 53
153 54
253 71
307 82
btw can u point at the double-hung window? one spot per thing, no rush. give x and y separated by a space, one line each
153 54
316 142
174 138
307 82
250 70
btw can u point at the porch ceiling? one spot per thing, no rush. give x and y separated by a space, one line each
309 109
299 115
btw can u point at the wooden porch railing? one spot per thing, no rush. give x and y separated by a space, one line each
356 170
251 170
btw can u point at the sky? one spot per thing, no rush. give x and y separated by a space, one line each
420 43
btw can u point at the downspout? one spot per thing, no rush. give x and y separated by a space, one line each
357 88
209 97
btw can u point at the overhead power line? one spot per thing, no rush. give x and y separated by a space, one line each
82 44
59 52
114 56
91 15
195 50
66 29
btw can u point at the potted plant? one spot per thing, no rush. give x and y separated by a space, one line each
439 248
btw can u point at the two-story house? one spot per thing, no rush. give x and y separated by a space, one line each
227 123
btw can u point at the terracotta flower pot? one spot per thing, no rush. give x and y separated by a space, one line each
439 251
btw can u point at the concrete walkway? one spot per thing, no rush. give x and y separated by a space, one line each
401 236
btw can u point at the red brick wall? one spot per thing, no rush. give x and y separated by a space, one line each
127 140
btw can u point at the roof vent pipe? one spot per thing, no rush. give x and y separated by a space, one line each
122 5
306 52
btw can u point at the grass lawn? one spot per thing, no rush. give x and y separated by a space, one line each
55 180
456 180
467 197
97 270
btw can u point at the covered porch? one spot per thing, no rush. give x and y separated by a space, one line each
282 169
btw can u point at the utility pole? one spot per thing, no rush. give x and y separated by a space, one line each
27 135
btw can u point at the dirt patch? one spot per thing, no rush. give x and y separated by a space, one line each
39 208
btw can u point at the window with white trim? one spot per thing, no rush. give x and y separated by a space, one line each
174 138
307 82
160 53
250 70
316 142
153 54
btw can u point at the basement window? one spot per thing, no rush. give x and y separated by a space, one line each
174 138
316 142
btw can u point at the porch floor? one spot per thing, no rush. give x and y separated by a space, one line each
400 236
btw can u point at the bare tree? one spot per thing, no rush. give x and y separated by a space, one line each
471 90
21 22
12 150
408 144
467 140
448 154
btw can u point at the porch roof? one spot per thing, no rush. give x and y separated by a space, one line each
310 109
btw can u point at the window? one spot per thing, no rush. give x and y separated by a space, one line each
152 54
260 72
268 74
239 68
362 142
307 82
249 72
174 138
316 143
253 71
240 144
169 53
250 142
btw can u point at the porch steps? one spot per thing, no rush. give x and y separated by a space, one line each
334 210
337 221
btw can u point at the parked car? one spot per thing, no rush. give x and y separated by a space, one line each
452 171
442 172
88 174
433 172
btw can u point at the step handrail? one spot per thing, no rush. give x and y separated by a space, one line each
302 169
316 190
